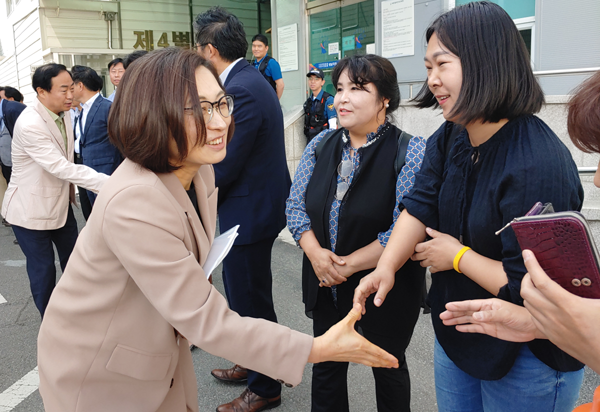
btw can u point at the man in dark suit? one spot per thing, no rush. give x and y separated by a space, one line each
10 109
253 183
91 129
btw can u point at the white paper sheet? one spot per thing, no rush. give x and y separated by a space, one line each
220 248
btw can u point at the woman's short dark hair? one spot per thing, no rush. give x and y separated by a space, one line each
374 69
583 121
497 80
261 38
43 75
88 76
143 120
224 31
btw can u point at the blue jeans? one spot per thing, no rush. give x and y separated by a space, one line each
530 385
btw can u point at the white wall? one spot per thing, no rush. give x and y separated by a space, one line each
289 12
77 24
21 43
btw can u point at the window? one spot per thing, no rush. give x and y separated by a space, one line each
517 9
523 14
526 27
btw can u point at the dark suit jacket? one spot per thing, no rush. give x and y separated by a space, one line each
11 111
253 180
95 148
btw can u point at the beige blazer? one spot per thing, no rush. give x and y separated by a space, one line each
112 338
43 172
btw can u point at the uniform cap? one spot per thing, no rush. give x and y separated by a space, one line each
316 72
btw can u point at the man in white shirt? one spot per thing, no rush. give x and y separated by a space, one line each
84 201
92 143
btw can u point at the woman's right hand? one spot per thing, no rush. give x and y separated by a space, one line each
341 343
381 281
322 261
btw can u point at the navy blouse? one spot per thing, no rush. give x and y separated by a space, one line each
470 193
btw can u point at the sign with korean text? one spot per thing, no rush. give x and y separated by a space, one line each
145 39
288 47
397 28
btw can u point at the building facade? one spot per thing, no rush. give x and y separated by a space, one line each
93 32
563 37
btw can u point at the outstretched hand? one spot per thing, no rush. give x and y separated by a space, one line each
342 343
494 317
380 281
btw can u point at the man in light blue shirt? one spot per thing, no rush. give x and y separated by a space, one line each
267 65
116 72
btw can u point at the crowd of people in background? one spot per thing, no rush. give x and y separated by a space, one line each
371 206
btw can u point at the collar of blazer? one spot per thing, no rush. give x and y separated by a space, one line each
53 128
204 231
236 69
89 117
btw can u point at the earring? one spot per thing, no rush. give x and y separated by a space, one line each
387 105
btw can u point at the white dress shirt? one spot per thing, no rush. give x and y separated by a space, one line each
223 76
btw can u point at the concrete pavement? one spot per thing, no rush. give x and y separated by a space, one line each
19 323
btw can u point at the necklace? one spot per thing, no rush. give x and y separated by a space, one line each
370 142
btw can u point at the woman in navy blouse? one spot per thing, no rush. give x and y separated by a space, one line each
489 163
551 312
341 210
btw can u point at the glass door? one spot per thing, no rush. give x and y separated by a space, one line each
340 32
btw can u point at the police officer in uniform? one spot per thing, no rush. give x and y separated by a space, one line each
319 113
267 65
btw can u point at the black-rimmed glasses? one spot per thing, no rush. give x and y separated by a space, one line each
344 170
224 105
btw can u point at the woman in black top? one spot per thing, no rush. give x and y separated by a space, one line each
551 312
341 210
489 163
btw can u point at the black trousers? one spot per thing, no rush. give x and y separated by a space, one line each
330 379
248 285
37 246
6 172
84 199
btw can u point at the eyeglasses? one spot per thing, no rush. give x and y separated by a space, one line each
344 170
224 105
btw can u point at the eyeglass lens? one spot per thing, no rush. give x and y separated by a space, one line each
224 105
344 170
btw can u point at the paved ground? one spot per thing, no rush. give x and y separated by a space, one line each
19 323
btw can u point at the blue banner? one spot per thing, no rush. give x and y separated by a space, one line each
326 65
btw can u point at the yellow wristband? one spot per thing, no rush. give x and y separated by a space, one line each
458 256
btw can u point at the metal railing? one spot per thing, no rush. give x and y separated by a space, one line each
543 73
587 170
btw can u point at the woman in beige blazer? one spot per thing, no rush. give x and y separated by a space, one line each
115 333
